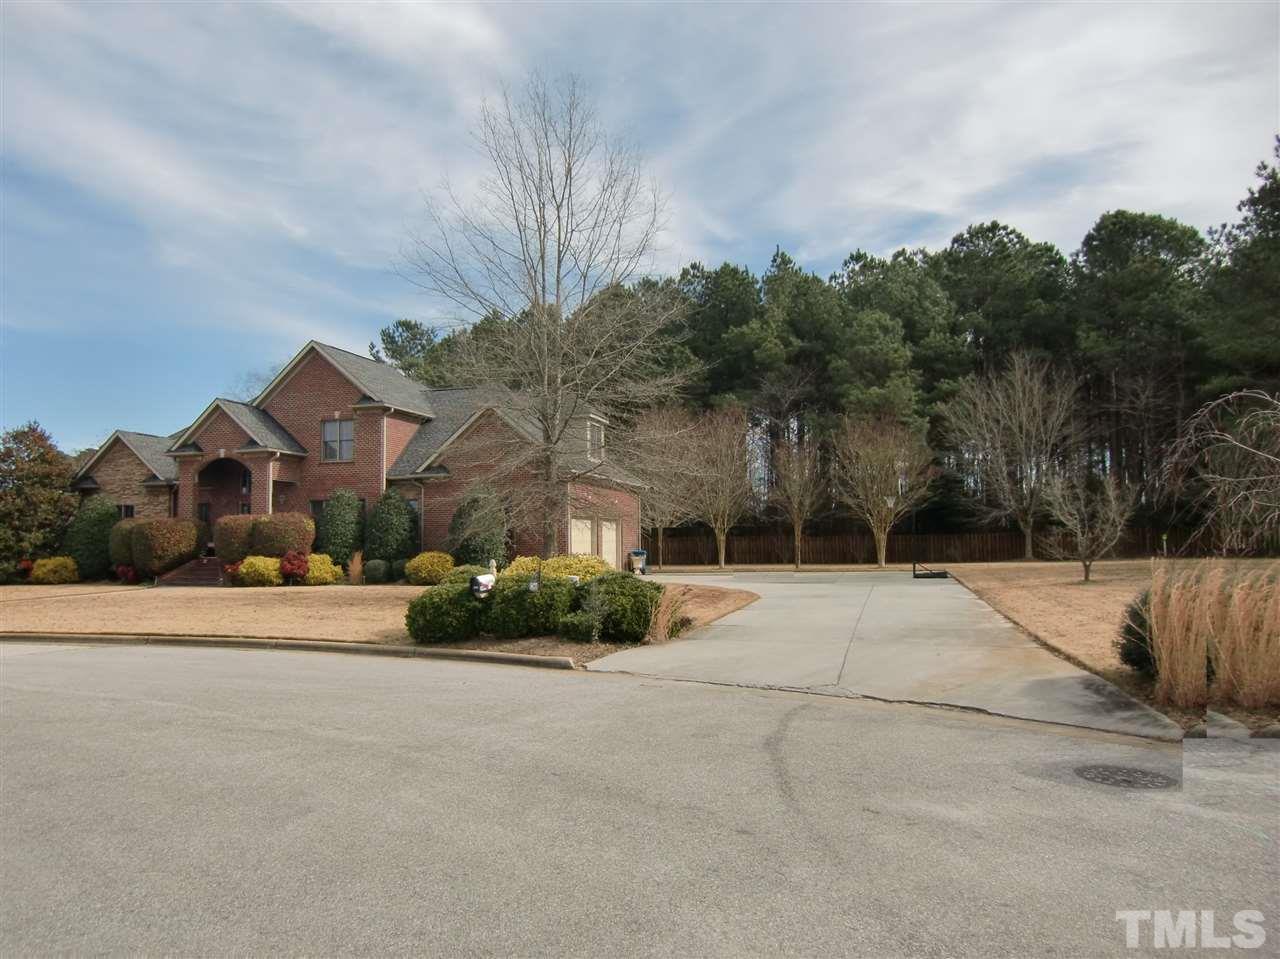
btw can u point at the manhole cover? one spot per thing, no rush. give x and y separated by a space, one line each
1126 777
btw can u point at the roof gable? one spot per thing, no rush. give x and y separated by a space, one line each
259 426
147 447
379 383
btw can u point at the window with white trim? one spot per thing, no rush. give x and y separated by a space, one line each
595 441
339 441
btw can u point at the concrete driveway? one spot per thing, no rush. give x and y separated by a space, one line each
888 636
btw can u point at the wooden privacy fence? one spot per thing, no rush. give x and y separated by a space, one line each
693 546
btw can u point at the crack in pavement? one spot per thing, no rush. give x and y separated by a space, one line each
852 636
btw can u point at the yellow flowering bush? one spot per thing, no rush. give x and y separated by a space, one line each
54 571
582 565
321 570
260 571
427 569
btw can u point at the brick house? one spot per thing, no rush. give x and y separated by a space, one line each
333 419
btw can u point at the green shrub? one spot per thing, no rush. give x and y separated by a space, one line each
119 544
1134 643
582 565
443 614
233 537
628 605
579 627
514 610
428 569
260 571
321 570
376 571
478 530
278 533
54 571
389 529
342 525
397 569
88 537
160 545
463 574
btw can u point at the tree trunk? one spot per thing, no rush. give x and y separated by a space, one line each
660 532
721 536
1027 552
1087 566
882 546
797 531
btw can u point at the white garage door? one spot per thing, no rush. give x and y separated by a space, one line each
609 542
580 536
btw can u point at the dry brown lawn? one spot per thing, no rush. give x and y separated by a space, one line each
355 614
1080 620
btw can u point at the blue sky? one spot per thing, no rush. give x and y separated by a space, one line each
191 191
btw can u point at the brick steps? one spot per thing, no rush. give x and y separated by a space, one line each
205 571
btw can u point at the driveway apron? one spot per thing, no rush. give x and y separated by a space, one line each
888 636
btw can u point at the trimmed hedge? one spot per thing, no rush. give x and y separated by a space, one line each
377 571
160 545
119 544
259 571
514 610
342 526
389 529
463 574
397 569
321 570
443 614
278 533
54 571
579 627
233 537
583 565
88 537
428 569
628 605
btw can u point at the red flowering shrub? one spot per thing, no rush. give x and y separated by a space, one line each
24 567
293 565
126 573
231 573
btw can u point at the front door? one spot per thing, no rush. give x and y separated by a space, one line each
580 536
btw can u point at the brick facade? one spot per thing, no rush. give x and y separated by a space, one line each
120 475
315 391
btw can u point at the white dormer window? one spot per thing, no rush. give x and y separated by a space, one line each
595 441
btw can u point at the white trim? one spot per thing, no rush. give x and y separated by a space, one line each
382 467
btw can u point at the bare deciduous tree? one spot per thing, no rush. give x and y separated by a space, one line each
1011 428
1228 455
1093 511
720 480
662 455
799 485
883 470
543 253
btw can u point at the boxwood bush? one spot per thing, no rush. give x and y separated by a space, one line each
342 525
397 569
627 604
1134 643
463 574
119 544
160 545
88 537
233 537
579 627
278 533
513 610
428 569
443 614
259 571
376 571
321 570
389 529
54 571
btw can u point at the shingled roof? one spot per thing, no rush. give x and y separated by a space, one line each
149 448
260 426
381 383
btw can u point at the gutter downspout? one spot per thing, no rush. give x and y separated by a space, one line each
422 512
271 482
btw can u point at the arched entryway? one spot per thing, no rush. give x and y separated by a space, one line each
224 487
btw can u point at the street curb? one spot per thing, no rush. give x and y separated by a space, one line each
298 645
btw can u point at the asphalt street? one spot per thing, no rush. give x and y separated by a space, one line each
220 801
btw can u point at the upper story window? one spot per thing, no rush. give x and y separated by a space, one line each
124 511
595 441
339 440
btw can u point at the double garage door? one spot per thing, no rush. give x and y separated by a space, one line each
601 537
